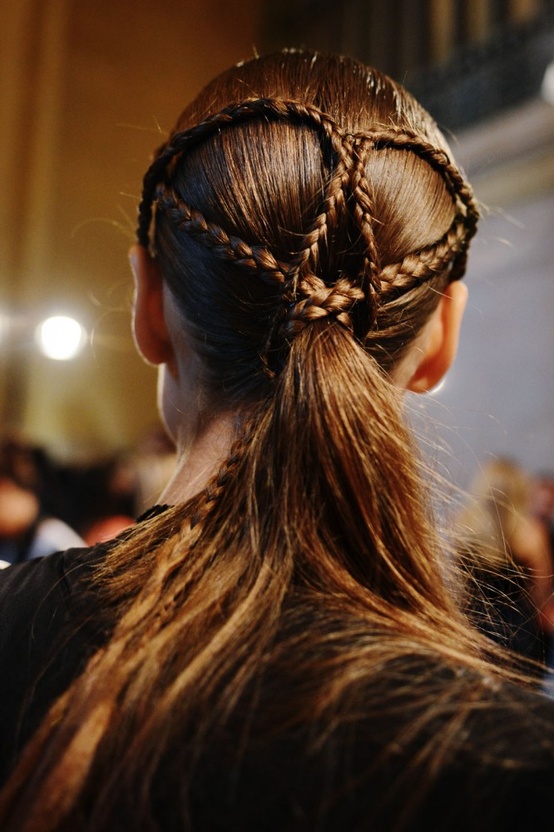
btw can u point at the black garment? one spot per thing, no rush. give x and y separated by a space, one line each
502 608
499 778
45 536
49 627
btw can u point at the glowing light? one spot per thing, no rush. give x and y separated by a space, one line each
4 327
60 337
547 88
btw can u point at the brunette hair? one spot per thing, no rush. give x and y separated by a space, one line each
306 214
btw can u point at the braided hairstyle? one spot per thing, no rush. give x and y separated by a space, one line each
306 216
335 257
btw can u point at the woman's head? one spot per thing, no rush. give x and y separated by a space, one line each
300 188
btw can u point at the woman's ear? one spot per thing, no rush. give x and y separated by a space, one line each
439 348
149 325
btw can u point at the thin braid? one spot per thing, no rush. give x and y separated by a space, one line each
459 189
310 298
369 277
250 108
333 210
209 496
404 139
362 210
416 267
255 259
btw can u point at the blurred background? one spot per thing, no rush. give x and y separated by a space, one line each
90 88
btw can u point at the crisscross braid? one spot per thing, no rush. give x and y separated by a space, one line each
279 109
307 294
255 259
453 246
317 300
309 297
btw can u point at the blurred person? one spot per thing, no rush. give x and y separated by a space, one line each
276 647
506 551
19 509
110 494
28 527
542 501
543 509
153 463
103 497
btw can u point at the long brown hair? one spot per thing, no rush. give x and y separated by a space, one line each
306 215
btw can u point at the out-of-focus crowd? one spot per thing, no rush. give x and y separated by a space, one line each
47 505
505 546
504 535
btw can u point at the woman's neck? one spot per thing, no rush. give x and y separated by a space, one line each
199 459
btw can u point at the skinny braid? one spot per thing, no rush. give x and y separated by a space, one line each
250 108
310 297
255 259
464 224
209 496
416 267
363 207
333 209
403 139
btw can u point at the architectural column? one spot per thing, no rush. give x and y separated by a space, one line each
31 66
477 20
442 29
521 11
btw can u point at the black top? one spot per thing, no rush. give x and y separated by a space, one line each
499 777
47 633
502 607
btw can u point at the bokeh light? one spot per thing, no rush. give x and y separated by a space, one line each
60 337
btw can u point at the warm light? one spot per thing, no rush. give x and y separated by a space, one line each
547 88
61 338
4 327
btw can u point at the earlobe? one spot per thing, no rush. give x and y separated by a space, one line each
441 344
149 324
